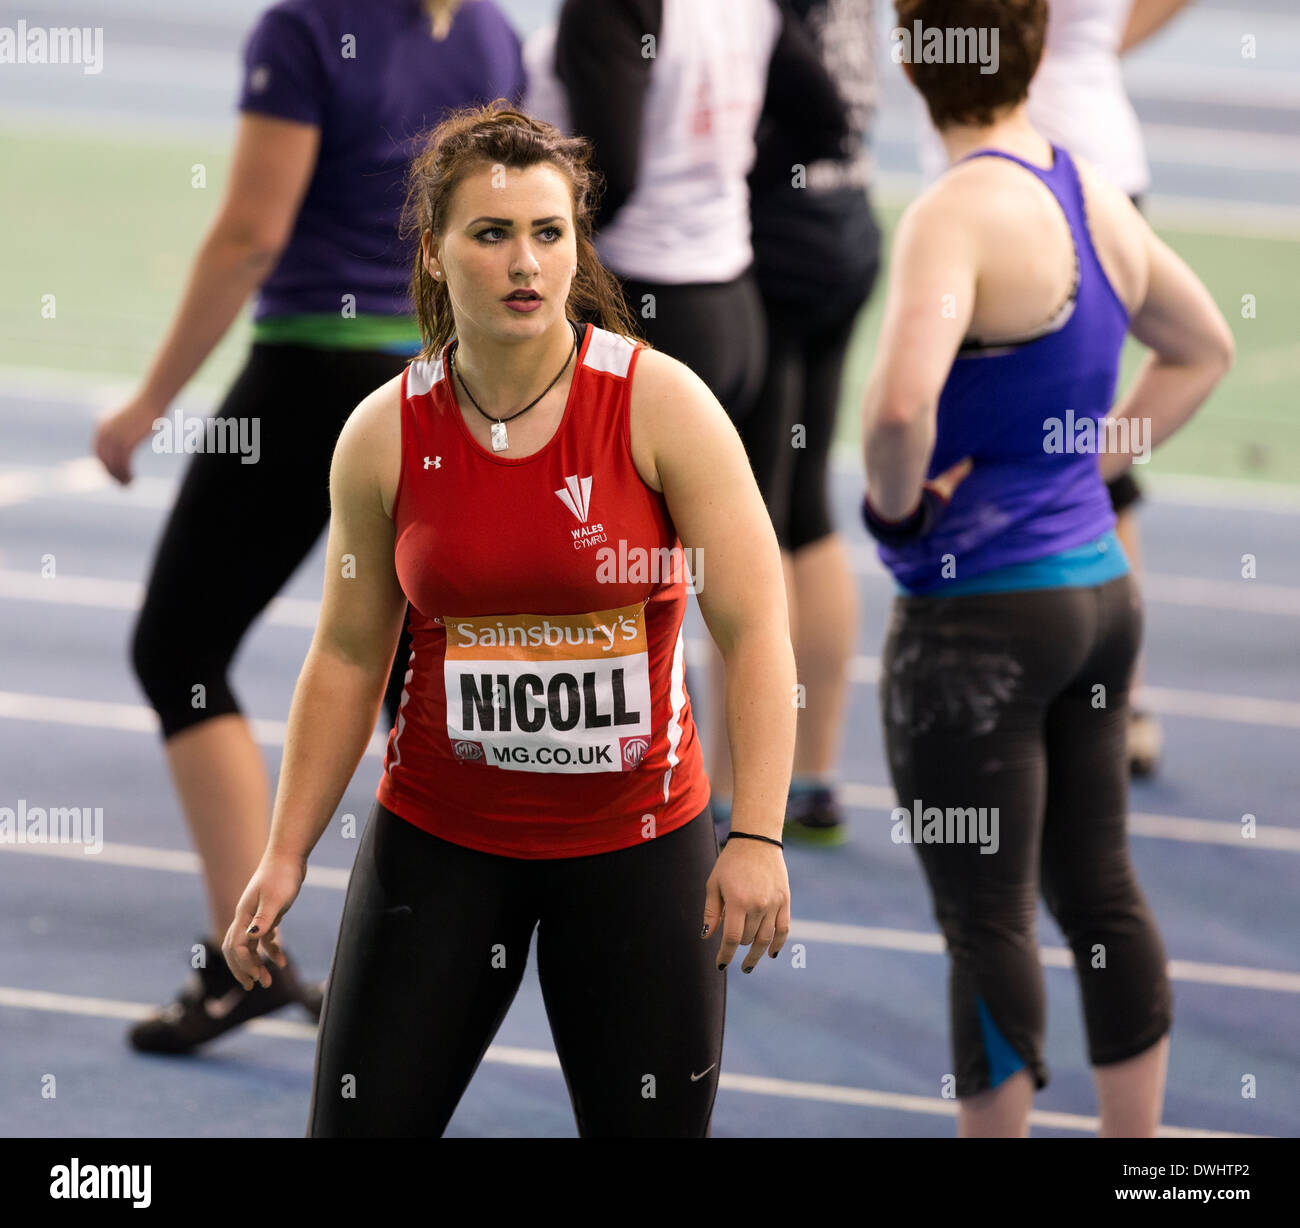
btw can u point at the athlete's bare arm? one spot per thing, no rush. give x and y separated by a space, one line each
269 175
337 698
932 282
700 464
1170 311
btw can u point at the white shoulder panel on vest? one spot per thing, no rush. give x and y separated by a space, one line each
610 352
424 374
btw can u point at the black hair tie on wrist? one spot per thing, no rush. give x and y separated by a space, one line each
749 835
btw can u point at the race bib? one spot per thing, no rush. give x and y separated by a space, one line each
549 692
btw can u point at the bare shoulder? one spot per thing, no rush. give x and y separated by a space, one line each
953 209
1119 234
368 455
670 407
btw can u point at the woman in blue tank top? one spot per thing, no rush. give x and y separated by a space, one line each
990 429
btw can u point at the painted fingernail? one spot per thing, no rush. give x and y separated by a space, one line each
722 967
704 933
252 929
750 968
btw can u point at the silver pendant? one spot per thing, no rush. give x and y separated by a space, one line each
499 441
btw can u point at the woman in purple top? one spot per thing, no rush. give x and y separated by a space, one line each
335 95
989 428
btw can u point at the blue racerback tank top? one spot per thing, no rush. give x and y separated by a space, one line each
1014 410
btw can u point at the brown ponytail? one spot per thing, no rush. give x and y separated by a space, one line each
499 135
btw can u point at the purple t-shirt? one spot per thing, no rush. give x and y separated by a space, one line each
371 76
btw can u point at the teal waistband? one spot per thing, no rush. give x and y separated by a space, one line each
1096 562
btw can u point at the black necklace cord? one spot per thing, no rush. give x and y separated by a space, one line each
491 417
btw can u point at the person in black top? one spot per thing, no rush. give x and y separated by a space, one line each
670 93
816 254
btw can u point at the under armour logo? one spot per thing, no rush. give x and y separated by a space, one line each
435 461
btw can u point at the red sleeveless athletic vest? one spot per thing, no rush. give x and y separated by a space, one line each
545 711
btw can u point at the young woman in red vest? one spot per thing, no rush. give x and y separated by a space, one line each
530 485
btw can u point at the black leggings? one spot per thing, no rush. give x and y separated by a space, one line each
431 950
801 390
237 532
715 329
1019 701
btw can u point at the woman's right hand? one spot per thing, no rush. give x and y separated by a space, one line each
117 435
252 939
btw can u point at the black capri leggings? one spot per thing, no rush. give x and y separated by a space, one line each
431 949
1019 702
237 532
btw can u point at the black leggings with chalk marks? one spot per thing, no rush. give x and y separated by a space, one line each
1019 701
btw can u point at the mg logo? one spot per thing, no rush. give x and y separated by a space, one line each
633 750
468 751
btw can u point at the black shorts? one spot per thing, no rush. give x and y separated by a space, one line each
716 329
1006 716
789 432
431 949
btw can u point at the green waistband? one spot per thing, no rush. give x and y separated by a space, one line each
330 331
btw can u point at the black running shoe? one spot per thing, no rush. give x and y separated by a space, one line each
213 1002
815 818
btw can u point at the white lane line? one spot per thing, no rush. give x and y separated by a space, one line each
1245 86
19 485
1167 701
1188 214
92 484
173 861
138 718
1242 596
104 594
917 942
299 612
1158 826
1214 706
1213 831
134 718
542 1059
70 477
1222 148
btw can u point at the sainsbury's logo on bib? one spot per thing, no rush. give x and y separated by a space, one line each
549 692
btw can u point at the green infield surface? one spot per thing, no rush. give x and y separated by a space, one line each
100 230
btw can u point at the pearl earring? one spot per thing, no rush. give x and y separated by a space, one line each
437 273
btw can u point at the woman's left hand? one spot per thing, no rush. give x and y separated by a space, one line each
749 894
946 482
